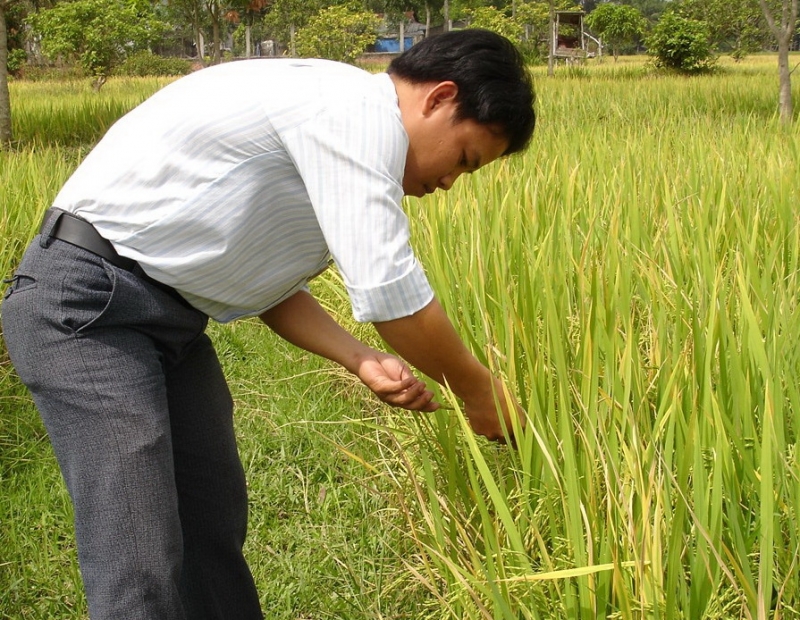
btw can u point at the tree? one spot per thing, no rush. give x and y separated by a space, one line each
735 24
191 12
783 30
430 7
12 15
337 33
651 10
287 16
534 18
215 11
5 98
680 43
490 18
248 11
618 25
100 33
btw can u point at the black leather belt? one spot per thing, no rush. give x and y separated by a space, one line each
77 231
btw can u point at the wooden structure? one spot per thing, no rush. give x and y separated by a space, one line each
569 36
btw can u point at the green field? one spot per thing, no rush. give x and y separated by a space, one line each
634 277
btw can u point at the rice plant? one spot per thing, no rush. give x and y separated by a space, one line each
634 277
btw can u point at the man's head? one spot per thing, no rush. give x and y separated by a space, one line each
494 87
466 99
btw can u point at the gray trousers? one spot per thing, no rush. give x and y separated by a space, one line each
140 417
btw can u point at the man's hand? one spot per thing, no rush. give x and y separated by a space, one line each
303 322
394 383
482 413
429 342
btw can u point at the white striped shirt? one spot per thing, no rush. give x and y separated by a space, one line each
236 184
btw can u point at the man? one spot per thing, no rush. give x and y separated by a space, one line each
221 196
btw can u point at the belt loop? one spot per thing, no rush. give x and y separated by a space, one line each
49 221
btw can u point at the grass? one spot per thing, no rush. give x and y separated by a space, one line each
634 278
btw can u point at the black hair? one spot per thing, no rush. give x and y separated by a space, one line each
494 86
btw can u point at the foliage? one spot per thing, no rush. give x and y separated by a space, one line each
286 16
490 18
681 44
145 63
534 19
49 73
651 10
535 15
190 17
736 25
337 33
16 60
617 24
100 33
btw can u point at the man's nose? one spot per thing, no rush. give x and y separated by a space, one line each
446 182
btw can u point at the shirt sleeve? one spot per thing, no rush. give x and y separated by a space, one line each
351 160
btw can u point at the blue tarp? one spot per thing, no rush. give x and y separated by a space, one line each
392 45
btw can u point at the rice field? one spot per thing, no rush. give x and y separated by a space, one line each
634 277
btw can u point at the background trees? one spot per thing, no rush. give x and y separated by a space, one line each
338 33
737 26
286 16
98 33
619 25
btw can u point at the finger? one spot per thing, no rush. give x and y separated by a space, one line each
424 402
406 398
430 407
414 400
384 386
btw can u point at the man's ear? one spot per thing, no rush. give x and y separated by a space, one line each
441 94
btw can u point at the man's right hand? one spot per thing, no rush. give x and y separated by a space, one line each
428 341
481 410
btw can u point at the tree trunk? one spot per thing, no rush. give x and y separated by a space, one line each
446 11
217 41
247 41
402 34
427 19
783 32
5 98
785 81
292 48
551 38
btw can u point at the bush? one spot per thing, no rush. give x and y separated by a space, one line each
16 60
143 64
680 43
489 18
51 73
337 33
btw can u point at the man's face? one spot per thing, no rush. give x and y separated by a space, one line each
440 149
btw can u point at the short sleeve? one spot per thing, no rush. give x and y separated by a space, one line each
351 159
